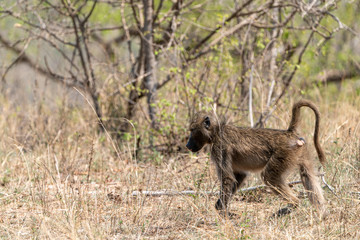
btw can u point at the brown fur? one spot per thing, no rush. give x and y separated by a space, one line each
237 151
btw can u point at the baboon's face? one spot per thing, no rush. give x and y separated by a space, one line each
200 134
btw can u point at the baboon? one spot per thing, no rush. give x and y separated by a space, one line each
237 151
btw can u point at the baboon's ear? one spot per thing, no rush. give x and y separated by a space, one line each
207 122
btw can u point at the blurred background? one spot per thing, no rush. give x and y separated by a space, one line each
150 66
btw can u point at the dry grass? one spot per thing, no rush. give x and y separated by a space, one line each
47 191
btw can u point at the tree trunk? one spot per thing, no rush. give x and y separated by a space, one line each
244 83
97 108
136 72
150 62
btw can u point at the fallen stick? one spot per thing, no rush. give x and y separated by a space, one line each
328 186
191 192
171 193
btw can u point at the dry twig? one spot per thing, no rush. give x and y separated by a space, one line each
191 192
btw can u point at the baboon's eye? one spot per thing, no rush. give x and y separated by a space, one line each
207 122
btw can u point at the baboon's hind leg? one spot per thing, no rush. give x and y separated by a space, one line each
274 176
312 186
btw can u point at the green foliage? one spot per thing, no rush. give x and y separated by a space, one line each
156 157
105 14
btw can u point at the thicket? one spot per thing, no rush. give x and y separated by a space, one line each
144 67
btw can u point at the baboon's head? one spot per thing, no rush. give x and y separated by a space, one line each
201 128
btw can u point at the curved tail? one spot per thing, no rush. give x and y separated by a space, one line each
295 123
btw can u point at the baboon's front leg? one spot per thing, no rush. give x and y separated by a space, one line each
225 192
240 177
225 175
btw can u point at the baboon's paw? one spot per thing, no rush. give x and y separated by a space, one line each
282 212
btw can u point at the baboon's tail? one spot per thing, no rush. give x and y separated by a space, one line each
295 123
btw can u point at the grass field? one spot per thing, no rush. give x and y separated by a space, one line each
48 190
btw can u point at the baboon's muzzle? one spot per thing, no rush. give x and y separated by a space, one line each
192 146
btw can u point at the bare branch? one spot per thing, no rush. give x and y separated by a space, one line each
90 12
23 57
232 16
